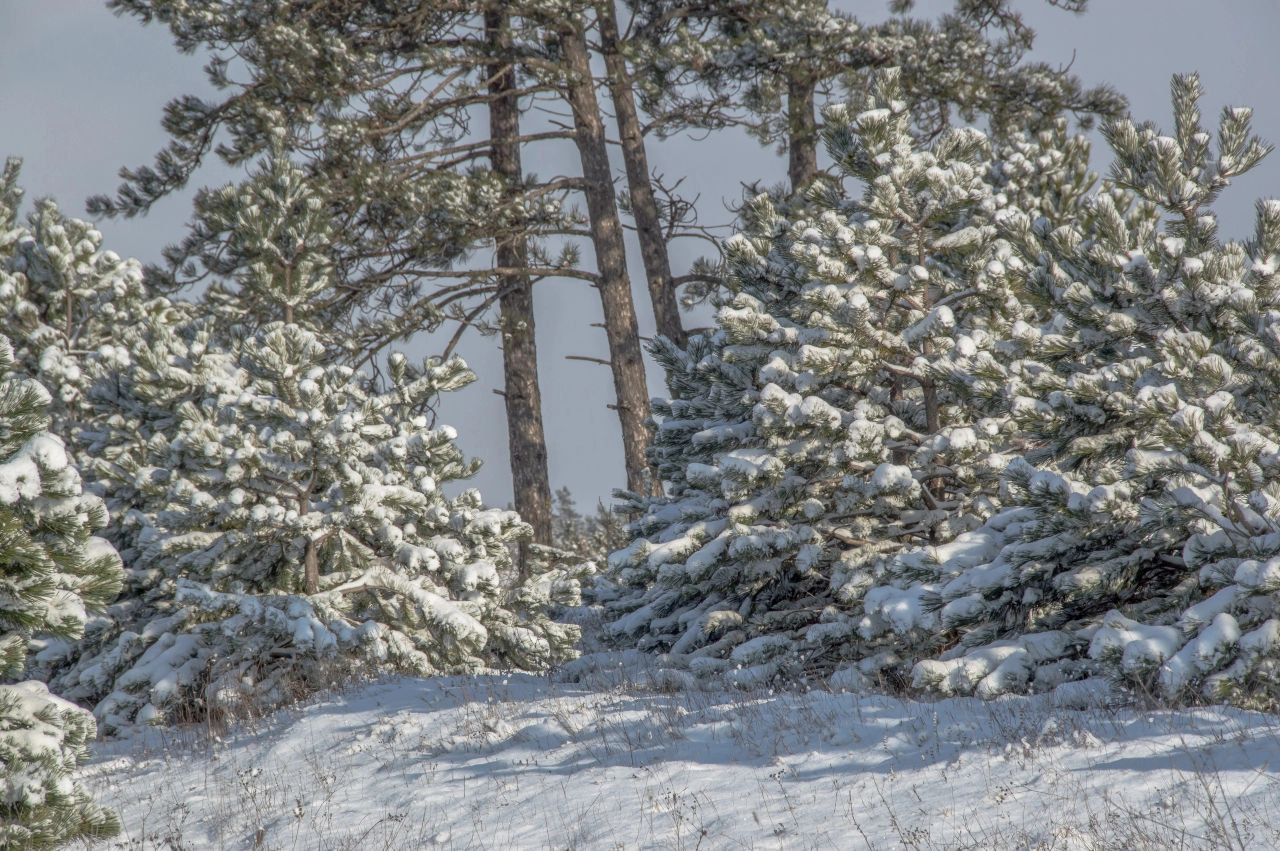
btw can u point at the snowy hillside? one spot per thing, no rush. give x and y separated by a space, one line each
520 761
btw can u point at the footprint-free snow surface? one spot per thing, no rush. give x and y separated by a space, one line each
517 761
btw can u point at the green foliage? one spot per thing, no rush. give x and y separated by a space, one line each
42 739
363 114
53 566
272 235
734 64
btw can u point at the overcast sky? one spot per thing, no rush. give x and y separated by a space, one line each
81 94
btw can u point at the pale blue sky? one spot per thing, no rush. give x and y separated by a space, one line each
81 94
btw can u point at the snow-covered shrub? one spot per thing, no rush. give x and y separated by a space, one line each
1144 528
303 527
51 570
810 437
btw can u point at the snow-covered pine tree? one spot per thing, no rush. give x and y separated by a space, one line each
63 298
53 569
163 361
772 68
81 320
1143 538
294 527
167 356
381 104
306 531
807 438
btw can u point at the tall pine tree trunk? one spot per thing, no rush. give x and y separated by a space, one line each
802 133
525 436
611 259
644 208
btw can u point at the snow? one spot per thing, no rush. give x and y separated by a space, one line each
1201 655
892 477
521 761
20 474
1260 576
902 610
1140 645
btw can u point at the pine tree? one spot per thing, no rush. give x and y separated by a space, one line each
808 438
292 526
564 64
77 315
435 225
64 299
771 68
53 571
305 518
522 392
655 225
1141 534
590 537
267 244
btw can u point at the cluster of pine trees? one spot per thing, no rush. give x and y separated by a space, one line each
230 512
969 419
420 125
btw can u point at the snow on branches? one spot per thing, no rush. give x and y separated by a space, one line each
298 527
54 570
814 434
1147 513
982 428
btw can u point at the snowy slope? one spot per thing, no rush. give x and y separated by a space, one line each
524 762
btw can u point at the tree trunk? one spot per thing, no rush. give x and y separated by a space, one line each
525 436
802 134
611 259
310 558
644 208
311 569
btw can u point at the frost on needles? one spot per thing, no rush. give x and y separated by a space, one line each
54 570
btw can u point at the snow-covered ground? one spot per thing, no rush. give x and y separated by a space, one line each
517 761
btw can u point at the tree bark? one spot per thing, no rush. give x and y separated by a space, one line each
611 259
802 133
644 207
310 558
311 569
526 438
